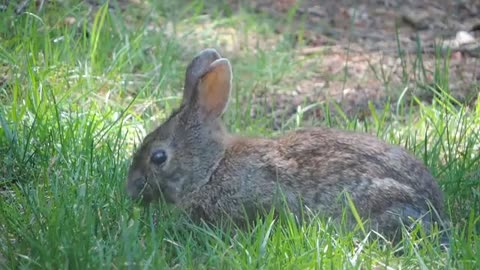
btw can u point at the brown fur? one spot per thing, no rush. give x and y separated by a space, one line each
212 174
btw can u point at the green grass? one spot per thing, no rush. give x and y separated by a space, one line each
77 98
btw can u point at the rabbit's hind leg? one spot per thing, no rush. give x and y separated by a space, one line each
408 216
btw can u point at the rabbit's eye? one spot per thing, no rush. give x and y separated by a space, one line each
158 157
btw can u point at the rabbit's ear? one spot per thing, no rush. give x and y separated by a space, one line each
199 65
214 89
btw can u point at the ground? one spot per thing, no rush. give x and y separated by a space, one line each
367 50
371 51
348 54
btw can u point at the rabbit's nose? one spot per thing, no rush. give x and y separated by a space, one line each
135 186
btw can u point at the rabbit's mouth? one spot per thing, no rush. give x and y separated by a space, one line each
169 193
145 194
140 190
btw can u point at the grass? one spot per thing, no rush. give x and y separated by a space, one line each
76 99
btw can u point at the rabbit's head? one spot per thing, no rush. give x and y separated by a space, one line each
181 154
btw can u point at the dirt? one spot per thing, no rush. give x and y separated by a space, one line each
376 50
356 53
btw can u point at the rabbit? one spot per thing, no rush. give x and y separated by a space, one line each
192 162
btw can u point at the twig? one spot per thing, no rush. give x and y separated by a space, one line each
22 6
40 7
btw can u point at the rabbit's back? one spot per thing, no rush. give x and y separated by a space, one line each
319 165
327 155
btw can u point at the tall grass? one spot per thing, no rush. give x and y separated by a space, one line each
76 99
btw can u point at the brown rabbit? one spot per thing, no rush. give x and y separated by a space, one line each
191 161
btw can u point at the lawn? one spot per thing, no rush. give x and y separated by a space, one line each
82 84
